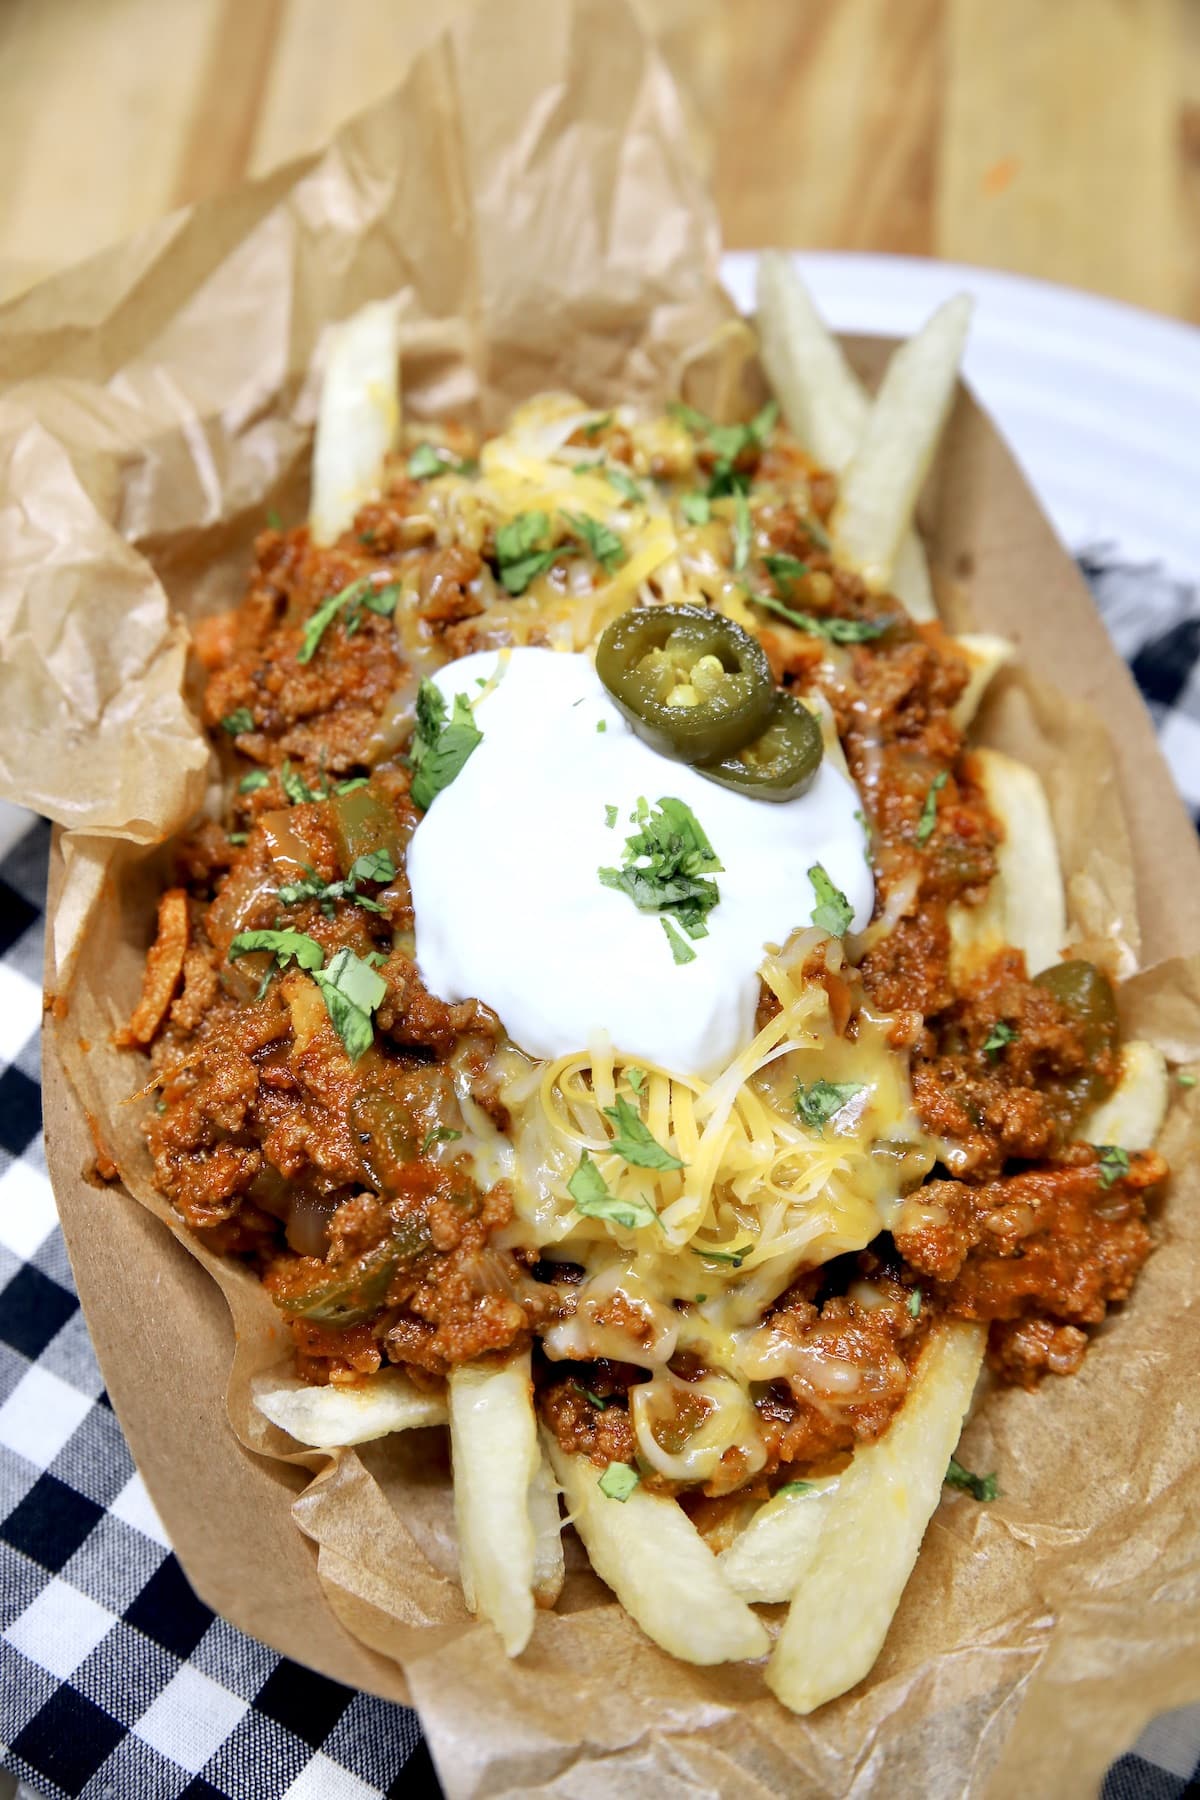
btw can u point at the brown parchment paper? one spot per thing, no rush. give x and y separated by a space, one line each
529 193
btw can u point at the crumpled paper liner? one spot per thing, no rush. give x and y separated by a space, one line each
528 192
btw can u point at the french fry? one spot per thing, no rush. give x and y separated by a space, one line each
857 1565
548 1562
823 400
651 1555
1132 1115
883 478
1026 903
327 1417
358 419
986 656
494 1447
767 1560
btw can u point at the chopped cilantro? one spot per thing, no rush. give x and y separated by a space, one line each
928 819
250 784
796 1487
914 1303
735 1258
381 600
604 544
833 912
239 838
440 745
375 865
743 532
624 483
681 950
284 946
522 553
1185 1080
728 442
980 1487
239 720
348 787
601 724
595 426
1001 1033
610 816
837 631
596 1400
700 1299
668 863
274 520
634 1141
595 1200
325 614
352 990
618 1481
695 509
817 1102
817 533
295 788
441 1134
1114 1163
784 570
160 1105
635 1077
425 463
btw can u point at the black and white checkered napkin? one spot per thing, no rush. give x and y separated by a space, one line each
116 1683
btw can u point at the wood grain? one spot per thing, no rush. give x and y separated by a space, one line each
1059 138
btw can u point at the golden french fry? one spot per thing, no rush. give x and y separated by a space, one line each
767 1560
857 1566
548 1561
823 400
1026 904
884 476
986 656
1132 1115
494 1447
358 419
659 1567
329 1417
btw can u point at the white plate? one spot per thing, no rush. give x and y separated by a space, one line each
1100 401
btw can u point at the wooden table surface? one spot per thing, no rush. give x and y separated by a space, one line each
1059 138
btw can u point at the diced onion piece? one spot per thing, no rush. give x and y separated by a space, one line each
986 656
884 476
359 416
859 1564
1026 903
548 1562
767 1560
1132 1115
823 401
651 1555
328 1418
494 1446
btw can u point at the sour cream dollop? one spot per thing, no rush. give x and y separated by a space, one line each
510 908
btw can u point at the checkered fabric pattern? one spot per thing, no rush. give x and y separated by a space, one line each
115 1681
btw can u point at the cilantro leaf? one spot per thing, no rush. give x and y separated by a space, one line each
914 1303
326 613
440 745
635 1077
604 544
250 784
610 816
274 520
795 1487
352 990
425 463
634 1141
980 1487
618 1481
626 486
818 1101
239 720
928 819
596 1400
382 600
348 787
836 631
441 1134
681 950
239 837
667 865
1001 1033
1114 1163
728 443
735 1258
295 787
833 912
595 1200
817 533
742 532
1185 1079
696 509
594 427
284 946
784 570
522 553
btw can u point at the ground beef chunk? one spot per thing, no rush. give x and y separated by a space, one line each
1022 1350
582 1428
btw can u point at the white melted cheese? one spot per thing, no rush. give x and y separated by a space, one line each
510 909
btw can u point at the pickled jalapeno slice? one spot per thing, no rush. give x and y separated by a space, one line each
781 762
692 683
